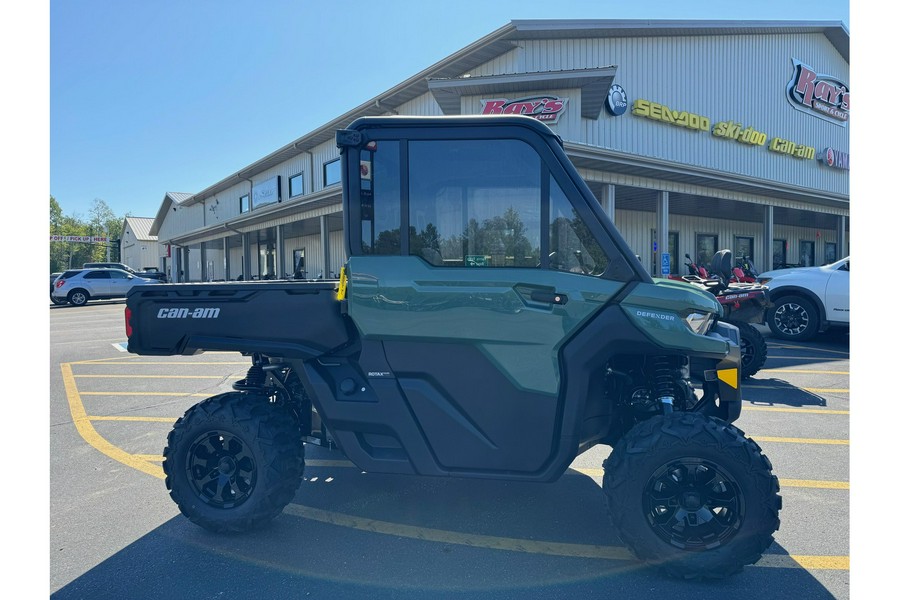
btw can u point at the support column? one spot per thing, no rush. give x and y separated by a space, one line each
247 271
204 270
174 263
768 242
226 266
280 272
185 273
843 248
662 230
608 200
326 254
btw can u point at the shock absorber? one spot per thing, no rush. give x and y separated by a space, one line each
663 379
255 378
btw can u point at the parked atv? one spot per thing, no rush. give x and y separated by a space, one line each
743 303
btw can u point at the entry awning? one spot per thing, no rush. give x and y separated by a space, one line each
594 85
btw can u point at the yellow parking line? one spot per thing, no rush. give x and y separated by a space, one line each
807 371
124 393
816 358
813 484
475 540
788 440
789 347
159 376
141 362
90 435
813 411
125 418
792 388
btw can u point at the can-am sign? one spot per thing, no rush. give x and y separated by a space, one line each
820 95
543 108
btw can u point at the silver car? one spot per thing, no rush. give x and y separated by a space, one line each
77 286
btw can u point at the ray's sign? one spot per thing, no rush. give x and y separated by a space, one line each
820 95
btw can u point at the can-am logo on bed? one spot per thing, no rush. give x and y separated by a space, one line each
818 94
543 108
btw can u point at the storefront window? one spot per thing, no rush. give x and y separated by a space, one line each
807 253
295 185
332 172
779 254
707 246
743 247
245 203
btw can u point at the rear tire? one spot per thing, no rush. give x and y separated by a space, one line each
78 297
233 462
692 495
754 350
793 318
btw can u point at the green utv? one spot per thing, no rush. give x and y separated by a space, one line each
490 322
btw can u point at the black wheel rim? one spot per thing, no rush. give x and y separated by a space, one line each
747 352
693 504
221 469
791 319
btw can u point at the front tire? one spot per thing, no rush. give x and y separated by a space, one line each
78 297
233 462
692 495
793 318
754 350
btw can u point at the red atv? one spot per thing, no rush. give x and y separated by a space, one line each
744 303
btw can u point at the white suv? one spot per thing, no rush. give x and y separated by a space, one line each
808 300
77 286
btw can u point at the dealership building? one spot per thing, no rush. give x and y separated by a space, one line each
722 134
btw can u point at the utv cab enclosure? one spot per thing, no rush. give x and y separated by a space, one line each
490 322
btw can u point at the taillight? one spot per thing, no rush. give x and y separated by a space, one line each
60 282
128 322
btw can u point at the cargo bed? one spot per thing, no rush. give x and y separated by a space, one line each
277 318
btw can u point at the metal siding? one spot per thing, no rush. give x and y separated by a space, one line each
424 105
723 77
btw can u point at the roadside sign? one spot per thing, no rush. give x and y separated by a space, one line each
665 263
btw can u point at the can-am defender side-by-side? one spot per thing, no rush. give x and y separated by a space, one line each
490 322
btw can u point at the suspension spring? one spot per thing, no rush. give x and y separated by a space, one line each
664 381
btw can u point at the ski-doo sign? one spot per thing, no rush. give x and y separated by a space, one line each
543 108
820 95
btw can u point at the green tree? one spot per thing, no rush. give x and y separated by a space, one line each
102 222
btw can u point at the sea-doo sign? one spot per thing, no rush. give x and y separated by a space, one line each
818 94
543 108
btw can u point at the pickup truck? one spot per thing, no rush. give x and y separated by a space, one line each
489 322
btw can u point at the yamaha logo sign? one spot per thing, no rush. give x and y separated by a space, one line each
616 100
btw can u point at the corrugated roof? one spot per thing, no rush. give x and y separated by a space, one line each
140 227
501 41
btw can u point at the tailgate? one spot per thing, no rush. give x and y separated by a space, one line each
291 319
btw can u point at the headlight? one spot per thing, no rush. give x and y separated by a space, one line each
764 280
699 322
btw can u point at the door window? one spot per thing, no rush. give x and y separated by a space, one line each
475 203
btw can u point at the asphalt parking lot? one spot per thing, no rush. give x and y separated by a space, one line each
114 532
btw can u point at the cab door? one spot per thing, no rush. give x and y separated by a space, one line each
478 261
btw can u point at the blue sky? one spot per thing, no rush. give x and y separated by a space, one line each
150 97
